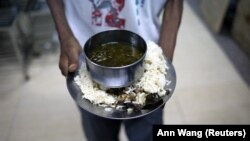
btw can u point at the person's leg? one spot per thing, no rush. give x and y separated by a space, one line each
140 129
99 129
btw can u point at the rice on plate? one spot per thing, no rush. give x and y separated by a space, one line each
148 90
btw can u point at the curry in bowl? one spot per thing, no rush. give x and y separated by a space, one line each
115 54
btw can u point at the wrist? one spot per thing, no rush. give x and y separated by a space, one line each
69 43
67 39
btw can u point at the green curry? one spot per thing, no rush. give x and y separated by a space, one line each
115 54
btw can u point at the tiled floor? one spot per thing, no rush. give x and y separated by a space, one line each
209 91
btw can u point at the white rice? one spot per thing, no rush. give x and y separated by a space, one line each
152 81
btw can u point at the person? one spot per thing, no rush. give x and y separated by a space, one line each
77 20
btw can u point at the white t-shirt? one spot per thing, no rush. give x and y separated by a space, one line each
88 17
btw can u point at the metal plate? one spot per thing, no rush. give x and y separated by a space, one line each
76 94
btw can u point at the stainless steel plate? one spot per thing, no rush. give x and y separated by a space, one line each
76 94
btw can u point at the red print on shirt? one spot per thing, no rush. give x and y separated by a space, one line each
108 11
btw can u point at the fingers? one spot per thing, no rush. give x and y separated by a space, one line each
69 61
70 51
73 57
63 64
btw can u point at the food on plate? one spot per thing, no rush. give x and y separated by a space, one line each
147 92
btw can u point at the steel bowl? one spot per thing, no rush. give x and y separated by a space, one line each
115 77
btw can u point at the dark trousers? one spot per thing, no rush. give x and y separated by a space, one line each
101 129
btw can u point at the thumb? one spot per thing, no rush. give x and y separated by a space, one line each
73 60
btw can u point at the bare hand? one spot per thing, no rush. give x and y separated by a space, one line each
69 57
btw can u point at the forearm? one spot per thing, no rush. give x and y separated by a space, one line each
57 11
170 25
70 48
